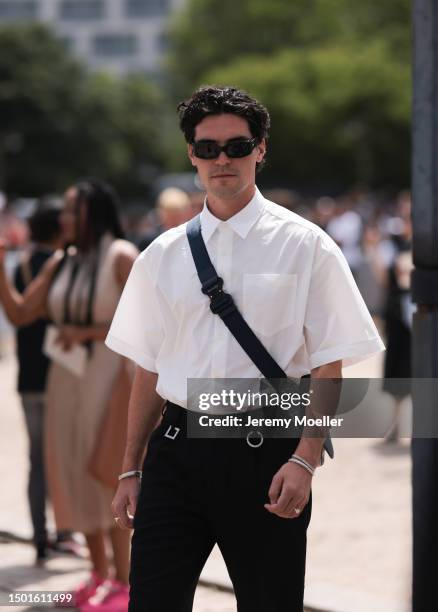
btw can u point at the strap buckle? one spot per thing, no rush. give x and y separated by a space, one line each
221 303
172 432
212 286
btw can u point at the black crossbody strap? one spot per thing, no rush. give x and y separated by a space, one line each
222 304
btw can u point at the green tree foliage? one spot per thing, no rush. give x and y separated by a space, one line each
338 115
58 122
334 74
210 33
125 130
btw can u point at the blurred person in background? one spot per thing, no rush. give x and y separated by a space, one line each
323 211
398 313
346 230
33 365
372 270
173 208
13 230
79 292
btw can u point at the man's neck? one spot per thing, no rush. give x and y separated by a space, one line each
224 209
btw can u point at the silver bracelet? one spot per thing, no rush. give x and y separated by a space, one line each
136 473
303 463
309 465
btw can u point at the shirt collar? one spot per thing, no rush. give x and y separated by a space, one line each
241 222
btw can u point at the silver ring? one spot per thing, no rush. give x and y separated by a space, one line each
257 444
297 510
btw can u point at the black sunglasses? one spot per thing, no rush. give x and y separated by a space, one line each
210 149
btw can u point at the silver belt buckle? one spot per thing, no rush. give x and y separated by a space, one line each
255 444
172 432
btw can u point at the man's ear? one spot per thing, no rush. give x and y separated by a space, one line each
261 150
190 154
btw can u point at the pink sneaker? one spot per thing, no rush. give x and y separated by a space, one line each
83 592
110 596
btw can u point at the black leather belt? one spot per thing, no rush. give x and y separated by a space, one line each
174 418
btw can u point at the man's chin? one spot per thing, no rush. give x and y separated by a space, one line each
224 191
225 195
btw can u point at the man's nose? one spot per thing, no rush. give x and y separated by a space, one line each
223 159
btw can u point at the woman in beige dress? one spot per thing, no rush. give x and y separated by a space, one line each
79 290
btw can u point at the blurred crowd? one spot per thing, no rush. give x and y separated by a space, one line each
371 230
71 257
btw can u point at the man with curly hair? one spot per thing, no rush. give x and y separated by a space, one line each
294 289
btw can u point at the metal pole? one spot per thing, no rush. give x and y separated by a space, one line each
425 295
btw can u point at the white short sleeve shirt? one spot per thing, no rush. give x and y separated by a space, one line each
289 280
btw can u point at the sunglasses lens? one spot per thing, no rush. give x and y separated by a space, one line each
240 148
206 150
209 149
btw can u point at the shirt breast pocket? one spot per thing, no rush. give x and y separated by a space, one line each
269 302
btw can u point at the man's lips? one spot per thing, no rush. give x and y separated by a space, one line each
225 175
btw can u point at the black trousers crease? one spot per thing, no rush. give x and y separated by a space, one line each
199 492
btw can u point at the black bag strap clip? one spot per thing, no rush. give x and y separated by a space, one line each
212 286
221 303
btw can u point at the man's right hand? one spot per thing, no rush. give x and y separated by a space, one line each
125 502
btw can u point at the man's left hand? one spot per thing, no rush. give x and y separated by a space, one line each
289 491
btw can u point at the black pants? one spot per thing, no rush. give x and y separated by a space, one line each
198 492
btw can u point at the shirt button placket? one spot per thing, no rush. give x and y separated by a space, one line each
224 268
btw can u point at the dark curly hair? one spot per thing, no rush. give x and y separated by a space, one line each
211 100
102 205
44 222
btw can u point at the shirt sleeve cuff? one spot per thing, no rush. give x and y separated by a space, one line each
349 353
119 346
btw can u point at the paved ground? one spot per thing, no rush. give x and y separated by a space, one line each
359 538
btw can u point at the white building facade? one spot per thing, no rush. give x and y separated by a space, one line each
116 35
